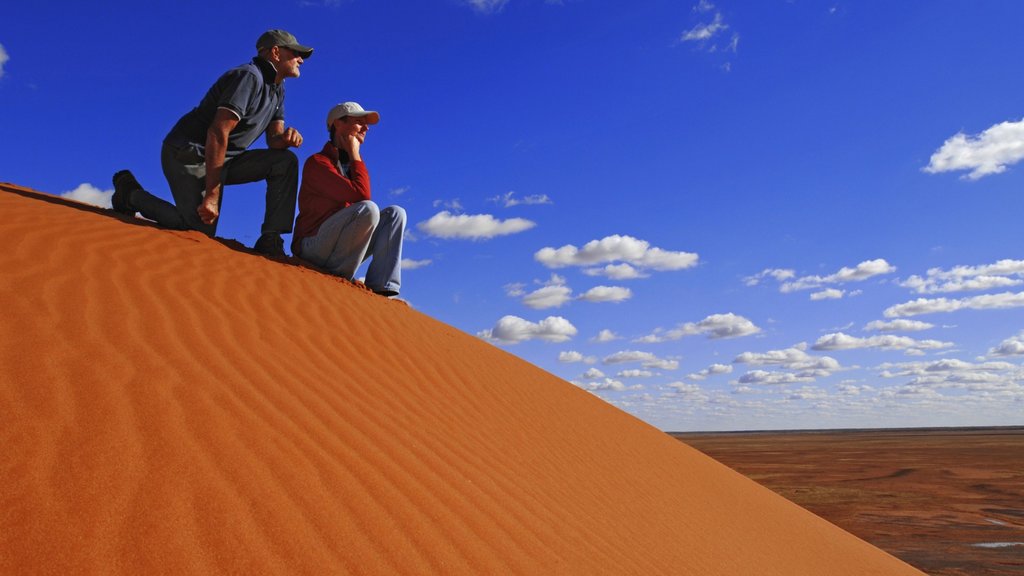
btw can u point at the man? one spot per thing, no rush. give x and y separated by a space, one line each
206 149
338 225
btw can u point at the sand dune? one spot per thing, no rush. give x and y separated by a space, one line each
172 403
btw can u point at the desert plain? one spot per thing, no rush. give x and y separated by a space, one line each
950 502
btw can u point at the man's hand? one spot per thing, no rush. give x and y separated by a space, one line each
209 208
289 138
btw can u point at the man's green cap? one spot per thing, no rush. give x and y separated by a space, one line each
272 38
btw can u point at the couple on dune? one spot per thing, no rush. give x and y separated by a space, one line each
338 226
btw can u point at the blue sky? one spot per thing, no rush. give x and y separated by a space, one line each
715 215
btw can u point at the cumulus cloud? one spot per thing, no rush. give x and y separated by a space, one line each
606 335
1001 274
841 341
616 248
635 373
771 378
607 384
509 199
715 326
935 305
779 274
572 356
898 326
646 359
711 371
957 374
616 272
1013 346
983 154
858 273
410 264
593 374
607 294
548 297
828 294
89 194
513 329
794 358
3 59
472 226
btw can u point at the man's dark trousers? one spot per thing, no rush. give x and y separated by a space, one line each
185 171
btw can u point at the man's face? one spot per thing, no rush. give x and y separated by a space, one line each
352 125
287 62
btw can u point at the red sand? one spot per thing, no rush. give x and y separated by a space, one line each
173 404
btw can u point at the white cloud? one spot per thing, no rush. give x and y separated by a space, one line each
410 264
793 358
859 273
705 31
478 226
715 326
616 272
515 289
956 374
607 294
89 194
935 305
399 191
605 335
770 378
646 359
607 384
898 326
487 6
828 294
593 374
454 205
548 297
984 154
1001 274
1013 346
572 356
711 371
513 329
840 341
3 59
615 248
778 274
508 199
635 374
690 391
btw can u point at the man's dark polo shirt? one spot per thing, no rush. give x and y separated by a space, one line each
247 90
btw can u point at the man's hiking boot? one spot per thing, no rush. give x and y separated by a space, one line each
124 184
270 244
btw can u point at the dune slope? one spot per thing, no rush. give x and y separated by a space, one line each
175 404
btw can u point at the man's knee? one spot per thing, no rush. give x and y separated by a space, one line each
284 161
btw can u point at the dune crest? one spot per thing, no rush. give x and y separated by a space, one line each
171 404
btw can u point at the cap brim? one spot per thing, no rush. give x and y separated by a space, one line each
303 51
371 117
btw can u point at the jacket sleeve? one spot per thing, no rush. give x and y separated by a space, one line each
320 177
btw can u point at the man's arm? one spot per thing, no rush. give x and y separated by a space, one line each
278 137
216 150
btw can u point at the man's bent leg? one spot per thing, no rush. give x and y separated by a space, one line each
340 243
188 184
280 168
385 273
